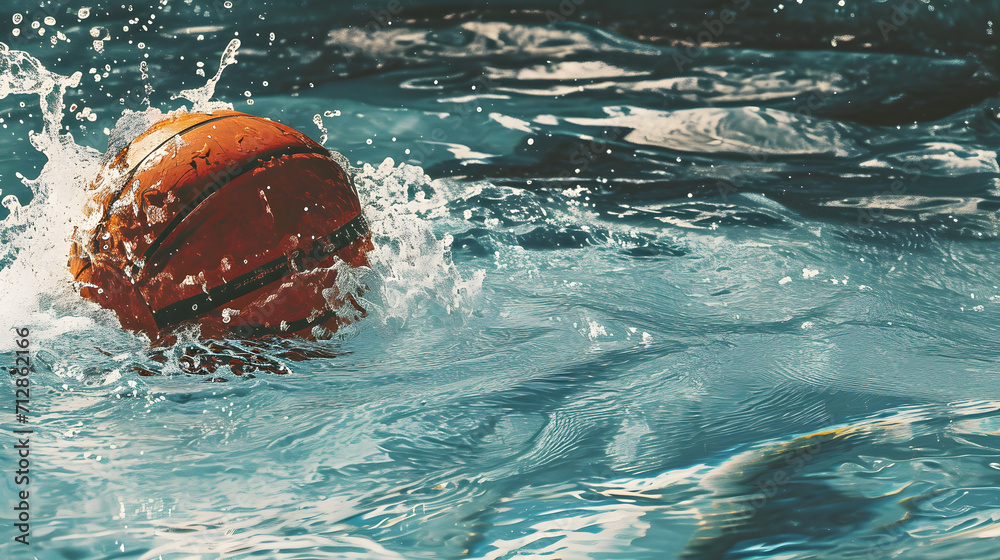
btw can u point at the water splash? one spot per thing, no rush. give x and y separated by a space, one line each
412 277
416 278
201 98
33 236
324 133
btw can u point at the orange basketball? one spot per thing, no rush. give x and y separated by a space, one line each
227 220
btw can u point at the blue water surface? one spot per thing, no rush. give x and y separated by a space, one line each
707 280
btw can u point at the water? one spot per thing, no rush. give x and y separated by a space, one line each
630 298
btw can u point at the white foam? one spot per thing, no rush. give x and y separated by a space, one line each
411 274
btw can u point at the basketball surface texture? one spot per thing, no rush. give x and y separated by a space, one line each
234 222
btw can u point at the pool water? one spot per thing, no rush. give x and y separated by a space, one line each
654 280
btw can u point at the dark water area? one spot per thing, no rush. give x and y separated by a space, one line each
708 280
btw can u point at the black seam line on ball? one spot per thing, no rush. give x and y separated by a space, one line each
79 272
149 255
261 276
295 326
135 168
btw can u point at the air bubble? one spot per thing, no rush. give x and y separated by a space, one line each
271 36
18 18
49 20
228 5
84 13
264 83
246 93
